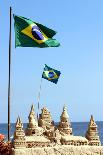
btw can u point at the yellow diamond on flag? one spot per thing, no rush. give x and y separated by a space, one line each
51 75
34 32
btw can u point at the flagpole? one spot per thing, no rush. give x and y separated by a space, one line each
39 98
9 80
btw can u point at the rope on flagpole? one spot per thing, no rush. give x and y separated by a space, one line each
39 97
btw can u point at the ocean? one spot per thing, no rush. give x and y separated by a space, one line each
79 129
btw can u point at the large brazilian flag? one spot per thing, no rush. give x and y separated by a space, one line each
51 74
32 34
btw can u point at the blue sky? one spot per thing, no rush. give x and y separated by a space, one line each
79 58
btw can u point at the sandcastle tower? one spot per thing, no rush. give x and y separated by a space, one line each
45 120
32 127
92 133
57 136
64 124
19 135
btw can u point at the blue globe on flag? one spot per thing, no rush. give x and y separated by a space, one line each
51 74
37 33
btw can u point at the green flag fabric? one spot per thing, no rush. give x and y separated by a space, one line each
51 74
32 34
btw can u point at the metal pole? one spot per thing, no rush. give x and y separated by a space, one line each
9 76
39 99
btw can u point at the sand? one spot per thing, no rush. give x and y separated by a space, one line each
60 150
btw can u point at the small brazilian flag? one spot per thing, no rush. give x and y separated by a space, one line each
32 34
51 74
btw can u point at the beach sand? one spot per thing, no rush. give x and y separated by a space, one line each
60 150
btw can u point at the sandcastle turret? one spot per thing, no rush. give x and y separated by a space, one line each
32 119
19 135
64 124
92 133
32 127
45 120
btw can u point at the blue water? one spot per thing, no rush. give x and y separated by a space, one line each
79 129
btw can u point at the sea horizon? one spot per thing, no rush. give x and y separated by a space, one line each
56 122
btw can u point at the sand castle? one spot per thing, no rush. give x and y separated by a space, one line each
64 124
43 133
92 133
19 135
45 120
